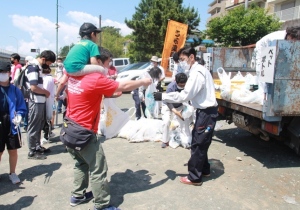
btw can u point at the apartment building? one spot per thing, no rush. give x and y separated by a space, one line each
287 11
216 9
230 4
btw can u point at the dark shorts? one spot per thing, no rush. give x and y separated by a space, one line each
6 138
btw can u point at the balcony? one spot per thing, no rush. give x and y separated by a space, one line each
232 4
213 8
275 1
213 16
288 14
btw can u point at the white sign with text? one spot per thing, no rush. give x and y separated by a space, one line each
268 56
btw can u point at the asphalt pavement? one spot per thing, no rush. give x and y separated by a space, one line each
246 173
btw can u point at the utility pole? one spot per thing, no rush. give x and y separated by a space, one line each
57 28
100 28
246 4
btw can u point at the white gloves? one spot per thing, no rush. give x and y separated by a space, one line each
17 120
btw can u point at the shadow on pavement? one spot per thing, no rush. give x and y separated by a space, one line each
29 173
23 202
272 154
135 182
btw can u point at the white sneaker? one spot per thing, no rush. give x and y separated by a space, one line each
14 178
44 141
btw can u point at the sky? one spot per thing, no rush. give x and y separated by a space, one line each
31 24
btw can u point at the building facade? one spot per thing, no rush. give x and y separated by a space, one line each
288 11
216 9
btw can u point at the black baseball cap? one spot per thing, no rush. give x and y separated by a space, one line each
5 66
88 28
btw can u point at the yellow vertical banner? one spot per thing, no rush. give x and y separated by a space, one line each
174 40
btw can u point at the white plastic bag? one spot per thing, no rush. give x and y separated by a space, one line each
174 139
130 128
115 118
224 78
149 101
151 130
238 77
187 111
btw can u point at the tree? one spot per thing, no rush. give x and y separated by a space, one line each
111 39
242 27
149 23
63 52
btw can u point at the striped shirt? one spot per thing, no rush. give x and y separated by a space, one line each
35 78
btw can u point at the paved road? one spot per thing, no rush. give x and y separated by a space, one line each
144 176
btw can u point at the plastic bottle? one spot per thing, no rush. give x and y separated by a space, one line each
207 129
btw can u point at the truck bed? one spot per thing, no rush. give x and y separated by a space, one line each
254 110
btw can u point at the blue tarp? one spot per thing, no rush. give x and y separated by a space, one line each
204 41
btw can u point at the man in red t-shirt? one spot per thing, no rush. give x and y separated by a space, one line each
85 94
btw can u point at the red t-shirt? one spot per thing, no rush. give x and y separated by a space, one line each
84 98
112 70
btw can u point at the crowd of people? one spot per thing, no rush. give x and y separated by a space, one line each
83 79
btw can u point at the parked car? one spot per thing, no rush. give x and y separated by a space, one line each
134 72
132 66
120 63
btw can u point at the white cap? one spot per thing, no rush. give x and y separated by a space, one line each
28 58
154 59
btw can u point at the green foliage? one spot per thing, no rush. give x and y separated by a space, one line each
242 27
149 23
112 40
63 52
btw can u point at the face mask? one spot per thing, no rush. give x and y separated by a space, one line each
4 77
179 88
184 65
110 63
12 62
59 64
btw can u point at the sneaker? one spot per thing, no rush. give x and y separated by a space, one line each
25 128
164 145
35 155
76 201
44 141
14 178
185 180
107 208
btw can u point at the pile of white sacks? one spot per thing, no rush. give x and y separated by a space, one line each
239 92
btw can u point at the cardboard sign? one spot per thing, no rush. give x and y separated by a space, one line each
268 56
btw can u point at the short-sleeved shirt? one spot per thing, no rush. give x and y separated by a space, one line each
80 55
84 98
34 76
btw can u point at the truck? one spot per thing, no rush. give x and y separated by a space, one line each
279 115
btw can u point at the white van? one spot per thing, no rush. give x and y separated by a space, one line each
120 63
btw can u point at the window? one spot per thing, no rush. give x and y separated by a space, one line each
119 63
287 5
126 62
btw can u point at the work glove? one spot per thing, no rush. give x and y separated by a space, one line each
157 96
17 120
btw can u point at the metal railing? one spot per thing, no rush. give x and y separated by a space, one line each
288 14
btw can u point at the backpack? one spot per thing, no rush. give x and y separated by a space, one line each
20 83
